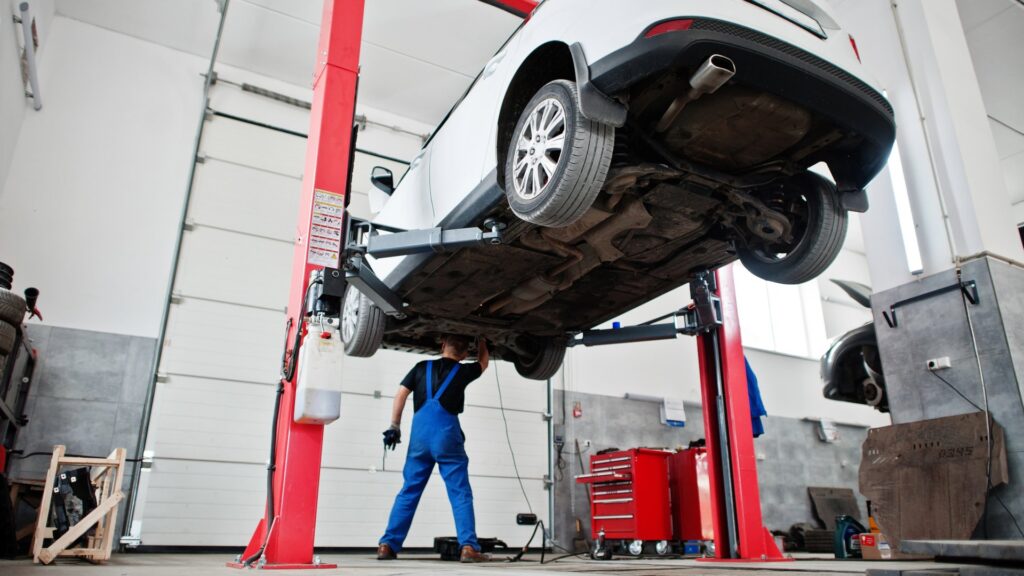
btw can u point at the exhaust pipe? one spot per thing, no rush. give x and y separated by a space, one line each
709 77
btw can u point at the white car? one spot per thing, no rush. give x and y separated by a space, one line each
628 145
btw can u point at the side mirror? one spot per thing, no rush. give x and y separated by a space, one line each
383 179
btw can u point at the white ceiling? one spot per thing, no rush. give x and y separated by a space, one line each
995 35
417 57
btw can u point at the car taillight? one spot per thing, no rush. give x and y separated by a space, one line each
853 43
669 26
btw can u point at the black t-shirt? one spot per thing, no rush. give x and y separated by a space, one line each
454 397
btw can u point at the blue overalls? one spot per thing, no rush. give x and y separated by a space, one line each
436 437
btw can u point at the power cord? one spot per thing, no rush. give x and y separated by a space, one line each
508 437
955 389
20 455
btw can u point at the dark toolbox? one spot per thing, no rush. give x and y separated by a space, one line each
449 549
629 496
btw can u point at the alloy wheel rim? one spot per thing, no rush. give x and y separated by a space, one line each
539 149
350 316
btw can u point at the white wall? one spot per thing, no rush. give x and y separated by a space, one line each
13 104
91 204
91 201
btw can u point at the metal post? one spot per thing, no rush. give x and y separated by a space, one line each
286 540
735 496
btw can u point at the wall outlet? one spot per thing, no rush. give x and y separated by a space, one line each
939 363
585 443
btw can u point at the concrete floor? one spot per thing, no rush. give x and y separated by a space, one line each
415 565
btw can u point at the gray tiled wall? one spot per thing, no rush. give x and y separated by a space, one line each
790 456
88 393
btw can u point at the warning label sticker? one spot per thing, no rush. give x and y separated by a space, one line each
325 228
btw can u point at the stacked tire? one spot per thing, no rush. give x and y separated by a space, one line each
12 313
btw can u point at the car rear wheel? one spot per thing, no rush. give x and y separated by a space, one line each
819 230
557 161
544 362
362 324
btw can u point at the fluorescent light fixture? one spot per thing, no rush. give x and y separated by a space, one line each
908 228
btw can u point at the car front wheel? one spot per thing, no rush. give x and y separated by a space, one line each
818 232
362 324
543 362
557 160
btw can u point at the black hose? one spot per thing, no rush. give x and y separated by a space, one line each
271 467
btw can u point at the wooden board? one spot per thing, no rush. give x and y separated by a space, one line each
106 477
927 480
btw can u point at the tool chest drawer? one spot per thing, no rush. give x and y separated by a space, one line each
629 497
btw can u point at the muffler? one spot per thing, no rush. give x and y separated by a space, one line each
709 77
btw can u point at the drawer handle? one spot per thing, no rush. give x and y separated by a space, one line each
623 467
613 501
618 517
610 460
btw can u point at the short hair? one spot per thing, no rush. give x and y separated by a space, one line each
459 344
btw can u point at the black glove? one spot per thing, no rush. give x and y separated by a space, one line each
392 438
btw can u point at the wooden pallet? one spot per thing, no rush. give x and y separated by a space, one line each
106 474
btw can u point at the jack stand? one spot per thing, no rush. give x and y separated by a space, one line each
740 535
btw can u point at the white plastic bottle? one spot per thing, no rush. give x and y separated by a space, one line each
318 385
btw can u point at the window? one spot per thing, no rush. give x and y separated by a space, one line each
780 317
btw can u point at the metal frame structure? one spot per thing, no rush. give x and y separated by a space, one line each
712 317
284 538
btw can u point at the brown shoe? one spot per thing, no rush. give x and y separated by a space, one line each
471 556
384 552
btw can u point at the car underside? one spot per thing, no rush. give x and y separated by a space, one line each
686 190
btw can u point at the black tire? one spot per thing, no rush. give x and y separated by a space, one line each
545 363
820 232
7 337
580 168
362 324
12 307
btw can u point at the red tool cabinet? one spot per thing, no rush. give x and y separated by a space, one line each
629 495
691 495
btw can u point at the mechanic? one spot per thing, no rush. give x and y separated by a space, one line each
438 389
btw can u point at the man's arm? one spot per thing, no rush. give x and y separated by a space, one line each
483 355
399 406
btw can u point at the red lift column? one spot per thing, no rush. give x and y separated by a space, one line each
726 403
289 544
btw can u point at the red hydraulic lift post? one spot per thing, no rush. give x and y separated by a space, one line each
733 471
289 544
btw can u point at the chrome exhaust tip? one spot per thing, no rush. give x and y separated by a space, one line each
709 77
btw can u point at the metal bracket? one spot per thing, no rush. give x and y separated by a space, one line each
703 315
362 238
969 289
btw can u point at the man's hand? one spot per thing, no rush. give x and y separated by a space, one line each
392 437
483 355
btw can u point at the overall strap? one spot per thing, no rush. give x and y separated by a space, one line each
447 381
430 379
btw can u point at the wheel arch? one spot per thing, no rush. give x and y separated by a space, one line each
550 61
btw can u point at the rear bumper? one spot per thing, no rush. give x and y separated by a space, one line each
768 64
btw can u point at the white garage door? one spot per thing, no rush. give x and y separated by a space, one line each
209 431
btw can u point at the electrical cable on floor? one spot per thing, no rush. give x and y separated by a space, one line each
1010 514
984 396
508 437
980 409
288 364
